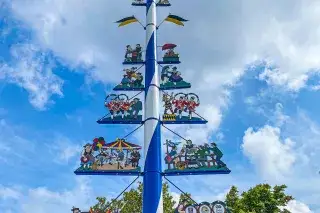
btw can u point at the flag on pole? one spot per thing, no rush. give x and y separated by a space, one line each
176 19
127 20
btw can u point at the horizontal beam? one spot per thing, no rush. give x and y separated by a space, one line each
202 172
111 173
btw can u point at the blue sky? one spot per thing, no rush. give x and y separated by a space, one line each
257 81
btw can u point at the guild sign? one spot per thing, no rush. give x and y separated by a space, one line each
191 209
219 207
204 209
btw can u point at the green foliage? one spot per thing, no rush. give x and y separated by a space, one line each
186 197
260 199
233 200
132 201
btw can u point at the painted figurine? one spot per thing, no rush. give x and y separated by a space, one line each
136 107
163 2
181 206
167 99
124 107
128 55
218 154
113 107
133 55
165 74
179 105
87 158
120 158
125 80
131 78
202 153
138 1
138 52
135 157
138 79
175 76
191 106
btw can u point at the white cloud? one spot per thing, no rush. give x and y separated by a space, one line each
297 207
43 200
40 200
175 197
9 193
271 155
30 70
64 149
278 78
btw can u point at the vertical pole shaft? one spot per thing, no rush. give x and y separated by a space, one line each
152 180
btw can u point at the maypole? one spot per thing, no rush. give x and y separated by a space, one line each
121 157
152 180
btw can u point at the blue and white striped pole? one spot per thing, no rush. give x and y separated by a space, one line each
152 180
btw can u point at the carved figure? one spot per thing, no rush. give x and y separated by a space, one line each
191 156
120 107
101 156
87 158
170 55
163 2
182 103
133 55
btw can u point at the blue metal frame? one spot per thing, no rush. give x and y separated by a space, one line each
163 5
169 62
139 5
185 122
173 88
129 89
117 172
203 172
144 4
133 63
105 120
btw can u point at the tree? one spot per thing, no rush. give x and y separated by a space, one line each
233 200
186 197
132 200
260 199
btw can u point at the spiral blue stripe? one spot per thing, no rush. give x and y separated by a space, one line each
150 67
152 190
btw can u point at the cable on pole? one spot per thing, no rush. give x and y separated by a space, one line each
144 27
160 24
174 133
140 66
181 191
199 115
136 95
113 200
132 131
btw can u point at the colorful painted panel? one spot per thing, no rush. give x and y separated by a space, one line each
122 110
171 79
180 108
163 3
138 3
191 159
131 80
116 157
133 55
204 207
170 56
